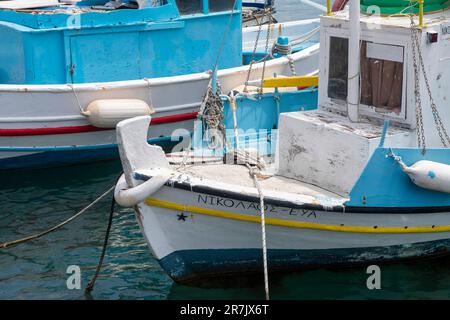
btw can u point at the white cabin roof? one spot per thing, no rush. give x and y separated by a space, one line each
430 19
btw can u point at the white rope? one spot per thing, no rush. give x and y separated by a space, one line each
304 37
254 172
234 109
76 98
150 100
254 165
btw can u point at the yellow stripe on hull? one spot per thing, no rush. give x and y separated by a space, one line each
288 82
295 224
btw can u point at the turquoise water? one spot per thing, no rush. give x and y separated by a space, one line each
35 200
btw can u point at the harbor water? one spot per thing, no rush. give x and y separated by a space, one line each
34 200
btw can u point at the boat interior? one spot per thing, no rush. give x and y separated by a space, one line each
269 181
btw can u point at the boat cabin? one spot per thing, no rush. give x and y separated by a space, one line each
385 90
58 42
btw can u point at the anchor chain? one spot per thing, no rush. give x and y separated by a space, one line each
418 65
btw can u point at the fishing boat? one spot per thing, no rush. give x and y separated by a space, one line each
363 179
69 71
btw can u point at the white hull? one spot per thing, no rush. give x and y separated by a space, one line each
29 113
204 220
216 225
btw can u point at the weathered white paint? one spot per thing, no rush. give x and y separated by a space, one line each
132 140
328 150
165 234
384 52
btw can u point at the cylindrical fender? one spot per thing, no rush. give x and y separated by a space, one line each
430 175
129 197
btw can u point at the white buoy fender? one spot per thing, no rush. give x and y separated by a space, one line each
430 175
129 197
107 113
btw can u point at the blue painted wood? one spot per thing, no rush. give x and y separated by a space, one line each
44 157
384 184
270 105
116 45
185 264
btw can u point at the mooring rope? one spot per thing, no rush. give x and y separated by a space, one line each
82 111
254 166
60 225
254 174
91 283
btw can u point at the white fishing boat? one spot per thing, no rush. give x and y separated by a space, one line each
344 189
72 71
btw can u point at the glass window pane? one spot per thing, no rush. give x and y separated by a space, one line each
337 79
381 80
189 6
220 5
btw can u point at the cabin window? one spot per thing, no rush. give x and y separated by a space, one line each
221 5
382 76
190 6
338 68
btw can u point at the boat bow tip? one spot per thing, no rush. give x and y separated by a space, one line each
135 152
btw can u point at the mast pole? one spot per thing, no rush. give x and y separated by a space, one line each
354 61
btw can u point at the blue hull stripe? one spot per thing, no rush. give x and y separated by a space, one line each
79 148
59 156
257 4
188 265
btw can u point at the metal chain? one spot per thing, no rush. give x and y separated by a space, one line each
419 114
252 59
443 135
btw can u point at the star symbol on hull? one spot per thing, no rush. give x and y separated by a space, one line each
182 216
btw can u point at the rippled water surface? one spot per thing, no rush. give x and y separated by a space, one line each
32 201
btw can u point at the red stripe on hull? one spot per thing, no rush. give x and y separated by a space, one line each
175 118
47 131
87 128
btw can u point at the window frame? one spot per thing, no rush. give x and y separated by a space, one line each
201 12
365 110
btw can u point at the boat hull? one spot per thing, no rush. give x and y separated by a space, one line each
194 265
39 119
215 234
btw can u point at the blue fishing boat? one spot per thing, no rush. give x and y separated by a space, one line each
363 179
70 71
